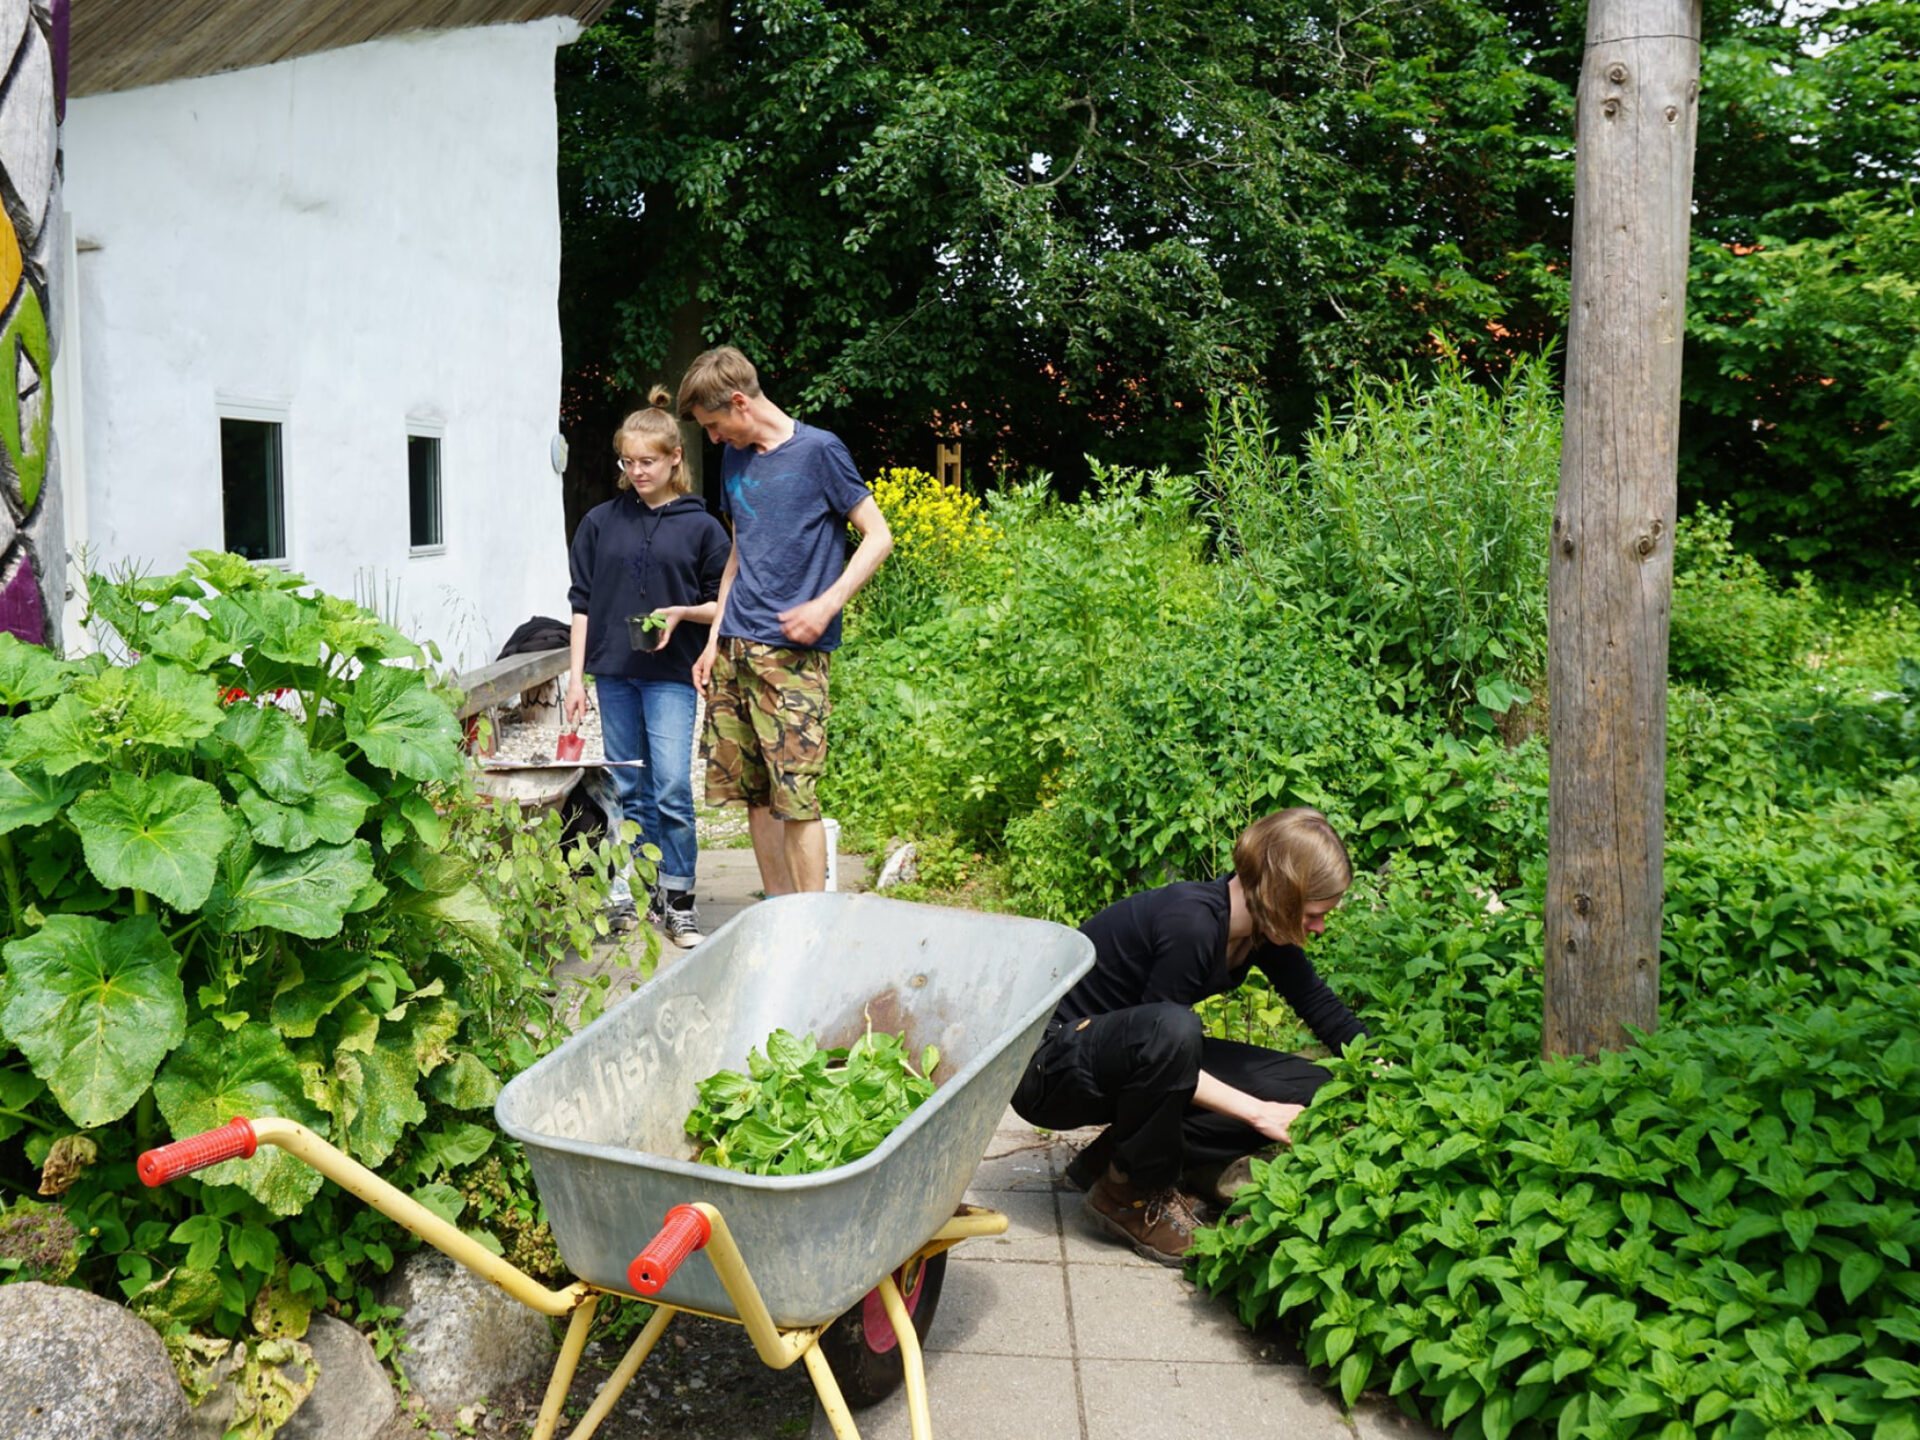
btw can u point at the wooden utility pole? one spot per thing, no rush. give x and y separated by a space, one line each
1611 572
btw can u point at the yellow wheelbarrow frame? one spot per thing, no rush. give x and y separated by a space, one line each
687 1228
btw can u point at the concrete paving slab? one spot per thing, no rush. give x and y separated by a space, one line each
1084 1243
980 1397
1033 1231
1150 1312
1005 1307
1173 1400
1030 1168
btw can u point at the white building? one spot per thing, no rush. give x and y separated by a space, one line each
310 303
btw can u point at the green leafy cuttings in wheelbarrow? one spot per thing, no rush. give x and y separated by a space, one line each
799 1108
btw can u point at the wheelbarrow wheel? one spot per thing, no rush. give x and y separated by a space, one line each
861 1347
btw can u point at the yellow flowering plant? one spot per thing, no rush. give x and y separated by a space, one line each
941 540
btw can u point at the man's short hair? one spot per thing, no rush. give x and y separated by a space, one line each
1285 860
712 378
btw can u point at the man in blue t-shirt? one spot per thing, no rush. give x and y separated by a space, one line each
789 491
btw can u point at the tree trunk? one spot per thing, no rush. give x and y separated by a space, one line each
1611 571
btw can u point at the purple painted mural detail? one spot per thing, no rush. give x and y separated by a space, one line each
58 17
20 609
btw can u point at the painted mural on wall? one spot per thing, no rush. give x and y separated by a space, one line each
33 40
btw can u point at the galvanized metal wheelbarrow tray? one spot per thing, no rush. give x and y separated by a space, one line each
602 1116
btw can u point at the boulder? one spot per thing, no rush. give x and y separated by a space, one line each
76 1367
353 1398
465 1339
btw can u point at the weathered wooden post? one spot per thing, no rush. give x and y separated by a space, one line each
1611 571
33 562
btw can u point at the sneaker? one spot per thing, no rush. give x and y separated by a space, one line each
679 919
1091 1163
1159 1224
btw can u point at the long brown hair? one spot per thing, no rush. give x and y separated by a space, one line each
1285 860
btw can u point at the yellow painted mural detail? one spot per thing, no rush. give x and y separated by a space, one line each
10 263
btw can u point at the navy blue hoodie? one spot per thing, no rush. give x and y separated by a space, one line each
629 560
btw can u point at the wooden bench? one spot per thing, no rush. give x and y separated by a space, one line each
494 685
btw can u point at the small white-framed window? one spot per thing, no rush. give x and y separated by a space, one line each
253 497
426 526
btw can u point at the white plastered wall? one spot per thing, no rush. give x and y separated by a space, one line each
349 239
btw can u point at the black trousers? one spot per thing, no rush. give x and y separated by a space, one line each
1135 1071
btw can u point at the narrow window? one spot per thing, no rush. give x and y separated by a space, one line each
252 502
423 492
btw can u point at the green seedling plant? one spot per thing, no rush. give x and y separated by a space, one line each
800 1109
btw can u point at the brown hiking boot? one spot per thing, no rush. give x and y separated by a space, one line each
1159 1224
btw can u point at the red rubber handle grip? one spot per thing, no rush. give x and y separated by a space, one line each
232 1141
684 1231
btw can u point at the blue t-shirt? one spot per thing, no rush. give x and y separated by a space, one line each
789 508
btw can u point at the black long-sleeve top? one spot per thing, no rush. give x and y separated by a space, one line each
629 560
1170 945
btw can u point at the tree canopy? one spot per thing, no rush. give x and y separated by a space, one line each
1055 231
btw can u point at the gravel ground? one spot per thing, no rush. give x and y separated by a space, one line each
702 1382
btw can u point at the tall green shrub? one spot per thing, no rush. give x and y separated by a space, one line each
1415 521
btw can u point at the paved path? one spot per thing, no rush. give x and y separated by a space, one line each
1053 1331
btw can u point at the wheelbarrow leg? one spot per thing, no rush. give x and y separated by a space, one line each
918 1419
831 1400
564 1367
622 1377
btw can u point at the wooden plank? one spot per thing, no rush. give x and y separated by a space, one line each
1610 570
124 44
505 680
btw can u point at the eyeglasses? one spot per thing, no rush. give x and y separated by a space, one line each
634 464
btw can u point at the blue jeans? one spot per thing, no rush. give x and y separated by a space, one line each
652 721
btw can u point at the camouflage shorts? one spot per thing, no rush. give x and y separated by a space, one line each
766 733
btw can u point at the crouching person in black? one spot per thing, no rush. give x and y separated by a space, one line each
1125 1049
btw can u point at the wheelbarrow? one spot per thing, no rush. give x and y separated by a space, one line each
838 1269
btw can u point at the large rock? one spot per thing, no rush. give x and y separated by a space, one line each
76 1367
465 1339
353 1398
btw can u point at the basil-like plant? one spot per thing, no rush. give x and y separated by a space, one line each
799 1108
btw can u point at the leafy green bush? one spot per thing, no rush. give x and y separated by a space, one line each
1415 524
221 905
1733 624
955 723
1711 1234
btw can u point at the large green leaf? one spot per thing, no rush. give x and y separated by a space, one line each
331 813
162 835
467 912
464 1084
94 1007
188 641
351 630
30 672
318 982
19 1089
266 744
270 623
215 1076
380 1087
305 894
398 721
29 796
148 704
231 574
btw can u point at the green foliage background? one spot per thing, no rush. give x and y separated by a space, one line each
1059 233
1712 1234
